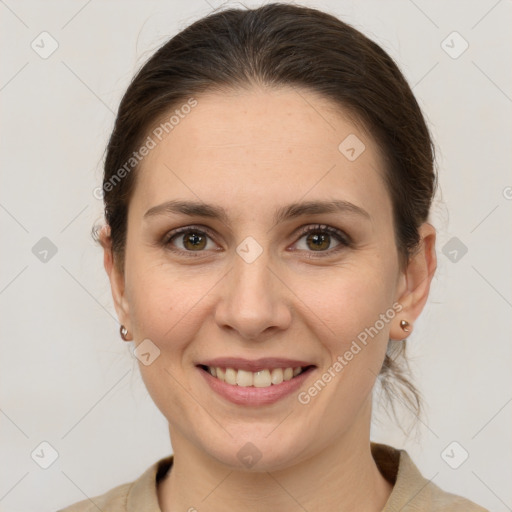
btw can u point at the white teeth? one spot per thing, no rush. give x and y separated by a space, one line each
288 373
260 379
230 376
244 378
276 376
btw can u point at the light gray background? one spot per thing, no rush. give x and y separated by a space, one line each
66 376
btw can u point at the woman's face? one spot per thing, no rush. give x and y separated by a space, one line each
255 284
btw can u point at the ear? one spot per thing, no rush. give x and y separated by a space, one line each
116 277
414 282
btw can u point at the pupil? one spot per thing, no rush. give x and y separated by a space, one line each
318 240
195 240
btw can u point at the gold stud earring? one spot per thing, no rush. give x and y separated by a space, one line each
404 324
123 331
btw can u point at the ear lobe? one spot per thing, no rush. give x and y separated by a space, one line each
116 278
415 281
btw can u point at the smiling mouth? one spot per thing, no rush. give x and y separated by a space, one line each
260 379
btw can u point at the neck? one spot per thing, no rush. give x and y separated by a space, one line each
343 476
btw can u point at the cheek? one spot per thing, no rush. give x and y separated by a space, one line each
354 311
349 299
356 316
166 299
163 306
161 295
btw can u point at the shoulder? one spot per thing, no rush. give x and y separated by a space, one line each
141 494
443 501
411 490
113 501
440 500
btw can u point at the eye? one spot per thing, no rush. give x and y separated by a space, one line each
319 239
191 238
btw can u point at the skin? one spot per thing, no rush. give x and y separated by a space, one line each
252 151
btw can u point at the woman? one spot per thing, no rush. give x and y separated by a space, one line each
267 190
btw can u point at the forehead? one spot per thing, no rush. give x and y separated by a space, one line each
260 147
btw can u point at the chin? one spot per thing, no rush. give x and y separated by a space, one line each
257 453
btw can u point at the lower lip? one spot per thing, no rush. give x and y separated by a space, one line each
250 395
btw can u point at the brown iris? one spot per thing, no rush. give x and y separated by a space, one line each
196 240
320 240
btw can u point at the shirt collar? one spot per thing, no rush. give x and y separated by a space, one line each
395 465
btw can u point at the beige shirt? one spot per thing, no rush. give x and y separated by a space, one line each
411 491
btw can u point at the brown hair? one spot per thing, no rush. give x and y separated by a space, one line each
278 45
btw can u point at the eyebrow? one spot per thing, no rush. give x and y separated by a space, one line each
284 213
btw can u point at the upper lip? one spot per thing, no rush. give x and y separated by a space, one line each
254 365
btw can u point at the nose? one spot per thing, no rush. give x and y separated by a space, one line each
254 301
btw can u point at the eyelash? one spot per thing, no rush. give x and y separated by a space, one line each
341 237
